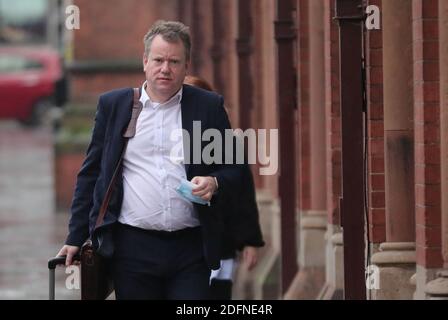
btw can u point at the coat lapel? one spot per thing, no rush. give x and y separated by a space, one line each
188 110
123 112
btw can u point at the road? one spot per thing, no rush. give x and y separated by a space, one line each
30 229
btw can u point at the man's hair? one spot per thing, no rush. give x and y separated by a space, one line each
171 31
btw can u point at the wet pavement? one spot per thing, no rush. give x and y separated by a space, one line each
30 229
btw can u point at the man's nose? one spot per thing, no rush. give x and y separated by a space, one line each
165 67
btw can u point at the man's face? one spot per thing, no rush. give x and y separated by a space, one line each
165 68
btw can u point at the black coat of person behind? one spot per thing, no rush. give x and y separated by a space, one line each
241 218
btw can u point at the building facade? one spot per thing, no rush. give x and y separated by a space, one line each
287 65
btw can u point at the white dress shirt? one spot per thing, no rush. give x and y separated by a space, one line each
150 177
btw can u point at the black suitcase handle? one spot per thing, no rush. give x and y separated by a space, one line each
56 261
52 263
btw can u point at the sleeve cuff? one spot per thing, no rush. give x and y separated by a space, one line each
217 185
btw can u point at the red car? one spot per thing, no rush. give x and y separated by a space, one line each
32 80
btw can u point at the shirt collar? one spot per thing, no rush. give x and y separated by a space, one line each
173 101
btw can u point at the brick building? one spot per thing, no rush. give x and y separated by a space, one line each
286 64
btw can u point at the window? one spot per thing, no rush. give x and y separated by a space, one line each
14 64
23 21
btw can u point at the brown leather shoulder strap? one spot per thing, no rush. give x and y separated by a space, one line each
129 133
136 109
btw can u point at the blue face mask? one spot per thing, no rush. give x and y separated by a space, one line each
185 190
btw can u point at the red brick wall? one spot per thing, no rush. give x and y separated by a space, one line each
427 133
333 113
304 189
376 184
113 30
88 87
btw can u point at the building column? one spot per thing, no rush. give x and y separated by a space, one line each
285 35
396 258
438 288
303 132
303 78
311 276
244 47
375 113
353 182
313 223
334 273
202 42
427 143
265 281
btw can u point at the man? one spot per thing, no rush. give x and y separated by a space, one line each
162 246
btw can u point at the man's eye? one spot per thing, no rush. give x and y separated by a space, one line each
175 62
158 60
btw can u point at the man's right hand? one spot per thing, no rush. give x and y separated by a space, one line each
69 252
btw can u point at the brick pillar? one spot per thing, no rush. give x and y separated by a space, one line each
438 288
303 143
265 91
311 277
268 279
304 106
334 275
202 39
443 38
256 114
396 260
374 55
427 142
375 119
313 222
317 111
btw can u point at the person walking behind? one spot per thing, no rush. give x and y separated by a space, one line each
241 225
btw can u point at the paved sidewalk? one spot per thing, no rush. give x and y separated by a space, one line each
30 230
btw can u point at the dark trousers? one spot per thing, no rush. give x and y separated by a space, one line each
221 289
159 265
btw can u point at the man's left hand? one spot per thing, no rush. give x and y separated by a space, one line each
206 186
